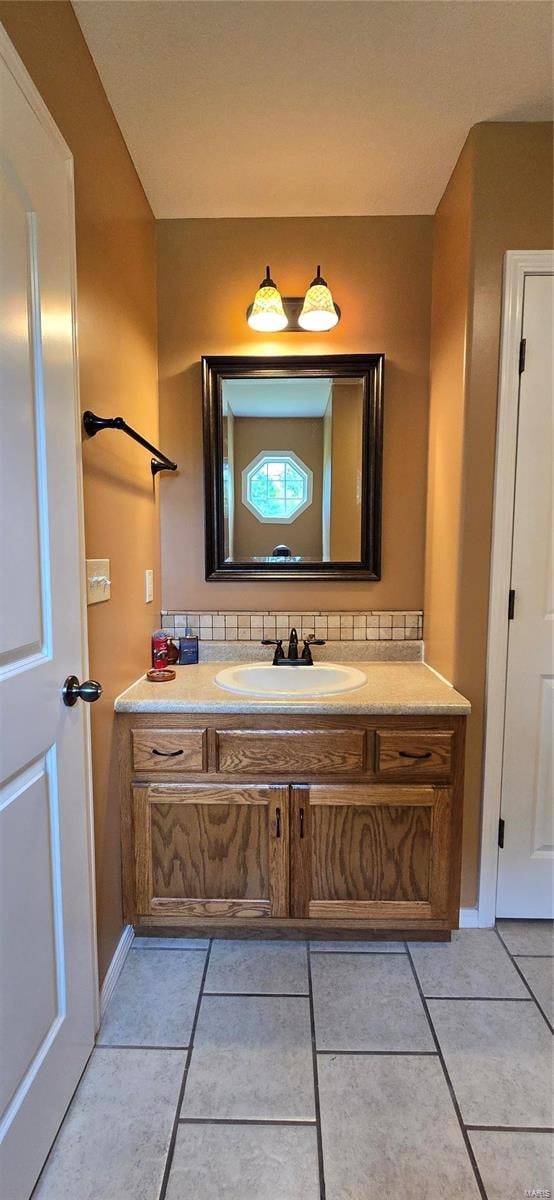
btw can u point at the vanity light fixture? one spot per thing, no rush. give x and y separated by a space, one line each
319 312
266 314
316 312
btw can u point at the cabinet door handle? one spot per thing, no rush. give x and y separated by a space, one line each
278 822
167 753
301 815
409 754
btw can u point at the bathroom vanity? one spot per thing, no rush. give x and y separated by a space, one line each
250 817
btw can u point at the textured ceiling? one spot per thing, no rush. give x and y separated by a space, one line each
252 108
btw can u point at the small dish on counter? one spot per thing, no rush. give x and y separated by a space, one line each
160 675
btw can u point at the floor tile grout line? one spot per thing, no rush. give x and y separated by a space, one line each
175 1127
203 950
449 1084
510 1128
489 999
173 949
523 979
320 1161
244 1121
382 1053
527 955
263 995
135 1046
368 953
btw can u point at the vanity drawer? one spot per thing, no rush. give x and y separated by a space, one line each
291 753
418 754
169 749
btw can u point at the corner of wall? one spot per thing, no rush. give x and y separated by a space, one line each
450 348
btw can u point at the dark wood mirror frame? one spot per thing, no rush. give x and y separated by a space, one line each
369 368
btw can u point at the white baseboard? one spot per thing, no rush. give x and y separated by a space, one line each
115 968
469 918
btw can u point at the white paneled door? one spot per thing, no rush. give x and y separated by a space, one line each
47 955
526 863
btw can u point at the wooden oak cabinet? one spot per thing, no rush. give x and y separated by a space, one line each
208 850
364 852
291 825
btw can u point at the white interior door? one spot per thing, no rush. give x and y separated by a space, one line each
526 863
47 954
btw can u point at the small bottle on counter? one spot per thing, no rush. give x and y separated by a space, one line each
188 648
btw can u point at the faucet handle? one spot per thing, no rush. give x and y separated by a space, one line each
307 651
279 652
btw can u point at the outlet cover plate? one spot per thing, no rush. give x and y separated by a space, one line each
148 586
98 580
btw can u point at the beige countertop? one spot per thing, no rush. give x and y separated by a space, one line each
396 688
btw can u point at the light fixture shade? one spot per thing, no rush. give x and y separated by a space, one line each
266 314
319 311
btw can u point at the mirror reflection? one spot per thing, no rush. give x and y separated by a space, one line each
292 461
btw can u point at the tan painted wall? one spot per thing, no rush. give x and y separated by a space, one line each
380 271
118 375
305 437
499 198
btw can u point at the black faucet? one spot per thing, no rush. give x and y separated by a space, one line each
292 659
293 645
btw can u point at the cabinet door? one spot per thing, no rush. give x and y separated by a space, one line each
364 851
211 850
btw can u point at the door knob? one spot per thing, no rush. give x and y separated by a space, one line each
73 691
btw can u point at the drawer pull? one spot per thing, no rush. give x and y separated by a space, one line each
412 754
301 822
168 753
278 822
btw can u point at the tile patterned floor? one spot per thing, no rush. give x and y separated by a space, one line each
248 1070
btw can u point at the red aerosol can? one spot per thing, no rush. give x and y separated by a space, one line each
160 649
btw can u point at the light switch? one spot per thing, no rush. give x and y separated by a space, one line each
149 586
98 580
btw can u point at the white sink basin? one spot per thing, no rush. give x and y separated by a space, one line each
290 683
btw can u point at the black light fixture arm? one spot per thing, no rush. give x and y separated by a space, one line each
93 424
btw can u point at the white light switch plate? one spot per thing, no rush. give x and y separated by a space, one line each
98 580
148 586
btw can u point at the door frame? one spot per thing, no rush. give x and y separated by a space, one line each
517 265
33 97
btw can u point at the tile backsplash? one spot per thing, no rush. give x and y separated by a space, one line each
230 625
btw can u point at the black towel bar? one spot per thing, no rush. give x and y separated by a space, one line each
93 424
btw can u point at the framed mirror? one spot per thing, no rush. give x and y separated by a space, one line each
293 453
